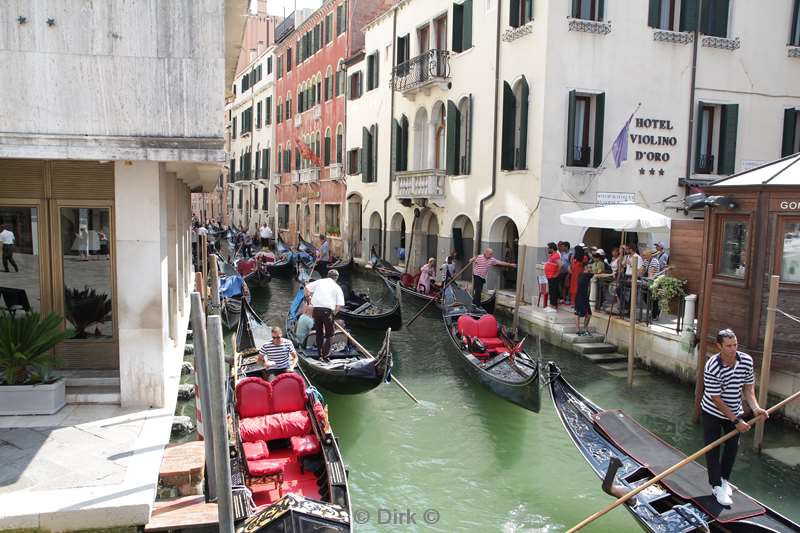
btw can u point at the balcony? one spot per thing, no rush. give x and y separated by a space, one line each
420 184
336 171
308 175
422 72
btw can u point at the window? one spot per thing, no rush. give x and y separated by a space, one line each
353 161
372 71
332 219
515 126
424 39
233 128
328 28
440 33
265 156
247 120
403 49
340 77
279 112
269 65
341 18
265 199
268 111
233 169
339 144
520 13
289 59
790 252
585 129
459 136
369 154
588 9
255 198
279 160
301 103
713 20
794 38
791 132
258 115
245 82
715 148
287 156
401 144
288 107
355 85
661 14
733 255
240 197
327 151
328 84
283 216
279 67
258 164
462 26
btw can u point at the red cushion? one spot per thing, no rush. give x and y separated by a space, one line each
272 427
493 342
244 267
467 325
487 327
319 411
264 467
255 451
288 393
293 424
306 445
253 397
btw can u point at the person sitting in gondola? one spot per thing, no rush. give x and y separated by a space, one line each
278 356
305 324
232 286
426 274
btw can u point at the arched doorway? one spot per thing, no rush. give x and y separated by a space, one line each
463 242
397 240
504 240
374 235
355 236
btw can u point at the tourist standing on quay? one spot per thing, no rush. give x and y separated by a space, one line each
728 376
480 267
552 271
326 297
8 240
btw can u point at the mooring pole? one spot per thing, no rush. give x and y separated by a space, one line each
216 374
215 307
201 381
705 313
766 360
520 292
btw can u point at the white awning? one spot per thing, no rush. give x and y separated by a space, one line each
627 217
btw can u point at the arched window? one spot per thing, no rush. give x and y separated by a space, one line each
515 125
300 100
317 145
459 136
328 88
278 159
327 148
340 78
421 139
319 87
339 144
439 135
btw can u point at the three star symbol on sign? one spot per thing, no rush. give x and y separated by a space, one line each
652 171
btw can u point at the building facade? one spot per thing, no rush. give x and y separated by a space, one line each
310 112
96 169
501 116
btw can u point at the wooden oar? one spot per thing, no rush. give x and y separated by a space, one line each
675 467
366 352
441 292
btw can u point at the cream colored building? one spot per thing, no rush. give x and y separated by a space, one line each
249 117
501 120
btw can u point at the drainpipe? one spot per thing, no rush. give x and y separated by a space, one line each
479 225
384 248
692 91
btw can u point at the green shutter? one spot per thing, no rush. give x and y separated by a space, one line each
601 9
509 111
453 123
458 27
789 131
654 14
467 32
404 147
522 163
715 18
327 159
689 13
468 144
397 144
698 132
365 154
571 130
576 9
376 72
374 146
599 120
513 14
795 22
728 128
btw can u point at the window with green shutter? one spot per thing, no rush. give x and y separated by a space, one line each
233 128
453 135
588 9
520 13
509 114
714 17
728 126
791 132
328 28
584 144
374 153
661 14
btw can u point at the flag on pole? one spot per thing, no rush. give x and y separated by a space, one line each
620 147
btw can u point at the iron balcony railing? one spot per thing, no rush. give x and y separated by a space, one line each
433 65
420 184
705 164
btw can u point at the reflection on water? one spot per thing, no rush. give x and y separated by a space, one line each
483 464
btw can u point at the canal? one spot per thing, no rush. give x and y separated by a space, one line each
466 460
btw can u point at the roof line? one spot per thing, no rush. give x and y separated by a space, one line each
797 158
726 178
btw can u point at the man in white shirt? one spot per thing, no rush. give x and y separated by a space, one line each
326 297
8 240
265 233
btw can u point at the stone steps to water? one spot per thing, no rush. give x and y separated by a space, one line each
93 394
574 338
607 357
594 348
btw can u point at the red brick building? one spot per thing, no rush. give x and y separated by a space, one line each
310 116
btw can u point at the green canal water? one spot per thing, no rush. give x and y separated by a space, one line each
465 460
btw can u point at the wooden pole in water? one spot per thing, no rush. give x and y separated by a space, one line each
632 337
669 471
705 313
215 306
216 374
766 360
201 380
520 293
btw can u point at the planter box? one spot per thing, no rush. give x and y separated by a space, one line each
32 399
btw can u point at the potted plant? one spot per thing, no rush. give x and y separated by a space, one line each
665 289
84 307
26 362
334 231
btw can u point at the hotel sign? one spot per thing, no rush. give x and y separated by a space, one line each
609 198
654 147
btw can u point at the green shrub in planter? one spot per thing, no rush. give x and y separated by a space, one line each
666 288
25 344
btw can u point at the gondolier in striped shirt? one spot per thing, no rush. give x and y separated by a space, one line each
278 356
728 377
480 268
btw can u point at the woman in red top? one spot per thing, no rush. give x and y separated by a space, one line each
552 268
579 262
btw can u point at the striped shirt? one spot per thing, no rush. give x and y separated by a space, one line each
481 265
726 382
278 354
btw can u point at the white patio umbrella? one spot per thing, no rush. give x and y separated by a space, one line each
620 217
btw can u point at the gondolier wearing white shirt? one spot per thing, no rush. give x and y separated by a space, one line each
326 298
728 377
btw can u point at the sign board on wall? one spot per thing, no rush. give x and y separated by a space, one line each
749 164
608 198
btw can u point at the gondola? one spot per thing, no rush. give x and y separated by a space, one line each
231 300
286 469
386 269
626 455
487 351
255 270
348 371
283 265
344 266
407 283
363 311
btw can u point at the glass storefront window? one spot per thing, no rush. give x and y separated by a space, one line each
790 261
86 249
20 287
734 249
